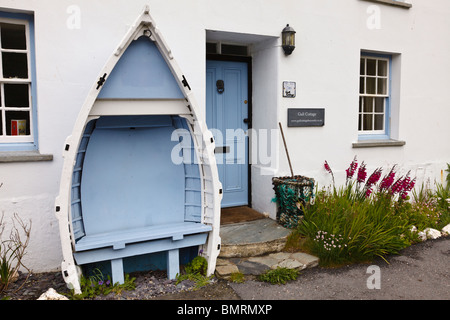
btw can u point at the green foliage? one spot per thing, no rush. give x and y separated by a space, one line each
279 275
196 271
237 277
341 230
366 219
97 285
447 179
197 265
442 204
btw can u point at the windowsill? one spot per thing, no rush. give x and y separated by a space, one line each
399 4
24 156
378 143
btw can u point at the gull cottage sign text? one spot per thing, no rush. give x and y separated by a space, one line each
306 117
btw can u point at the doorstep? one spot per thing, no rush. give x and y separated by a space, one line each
252 238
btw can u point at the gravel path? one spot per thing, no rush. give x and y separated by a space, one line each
148 285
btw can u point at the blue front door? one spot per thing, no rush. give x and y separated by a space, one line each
227 117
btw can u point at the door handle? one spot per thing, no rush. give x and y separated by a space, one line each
220 86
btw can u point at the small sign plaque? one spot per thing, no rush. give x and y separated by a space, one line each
306 117
289 89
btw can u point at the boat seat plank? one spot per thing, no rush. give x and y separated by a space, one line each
119 239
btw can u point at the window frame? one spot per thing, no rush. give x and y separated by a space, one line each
28 142
386 132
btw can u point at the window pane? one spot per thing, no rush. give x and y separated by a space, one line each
362 66
17 123
16 95
371 67
360 122
360 104
361 85
367 122
13 36
379 119
382 86
1 124
382 68
379 104
370 85
368 104
15 65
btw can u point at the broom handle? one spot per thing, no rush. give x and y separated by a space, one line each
285 148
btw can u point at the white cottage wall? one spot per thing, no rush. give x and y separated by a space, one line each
325 65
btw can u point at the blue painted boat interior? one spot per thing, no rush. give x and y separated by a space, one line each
141 73
125 179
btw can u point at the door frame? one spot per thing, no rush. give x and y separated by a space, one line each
248 60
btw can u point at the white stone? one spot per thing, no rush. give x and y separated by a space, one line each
51 294
446 230
422 235
432 233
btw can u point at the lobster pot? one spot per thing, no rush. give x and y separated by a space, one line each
291 194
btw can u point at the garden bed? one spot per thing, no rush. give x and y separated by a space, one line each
370 218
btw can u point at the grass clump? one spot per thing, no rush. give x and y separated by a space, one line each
237 277
279 275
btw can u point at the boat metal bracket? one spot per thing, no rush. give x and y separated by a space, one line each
185 83
101 81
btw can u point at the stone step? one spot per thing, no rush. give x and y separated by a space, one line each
258 265
252 238
253 247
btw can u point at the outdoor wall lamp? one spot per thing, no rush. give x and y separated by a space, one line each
288 40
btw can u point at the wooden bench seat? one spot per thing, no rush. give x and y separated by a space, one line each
115 246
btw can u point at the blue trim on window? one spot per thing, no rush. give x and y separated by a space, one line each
387 125
26 146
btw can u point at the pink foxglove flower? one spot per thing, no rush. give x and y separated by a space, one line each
327 167
352 168
388 180
362 173
374 177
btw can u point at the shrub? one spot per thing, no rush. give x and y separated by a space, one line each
198 265
340 230
12 250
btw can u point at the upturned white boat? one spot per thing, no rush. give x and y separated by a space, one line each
139 174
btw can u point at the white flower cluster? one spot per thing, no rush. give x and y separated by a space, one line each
330 241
